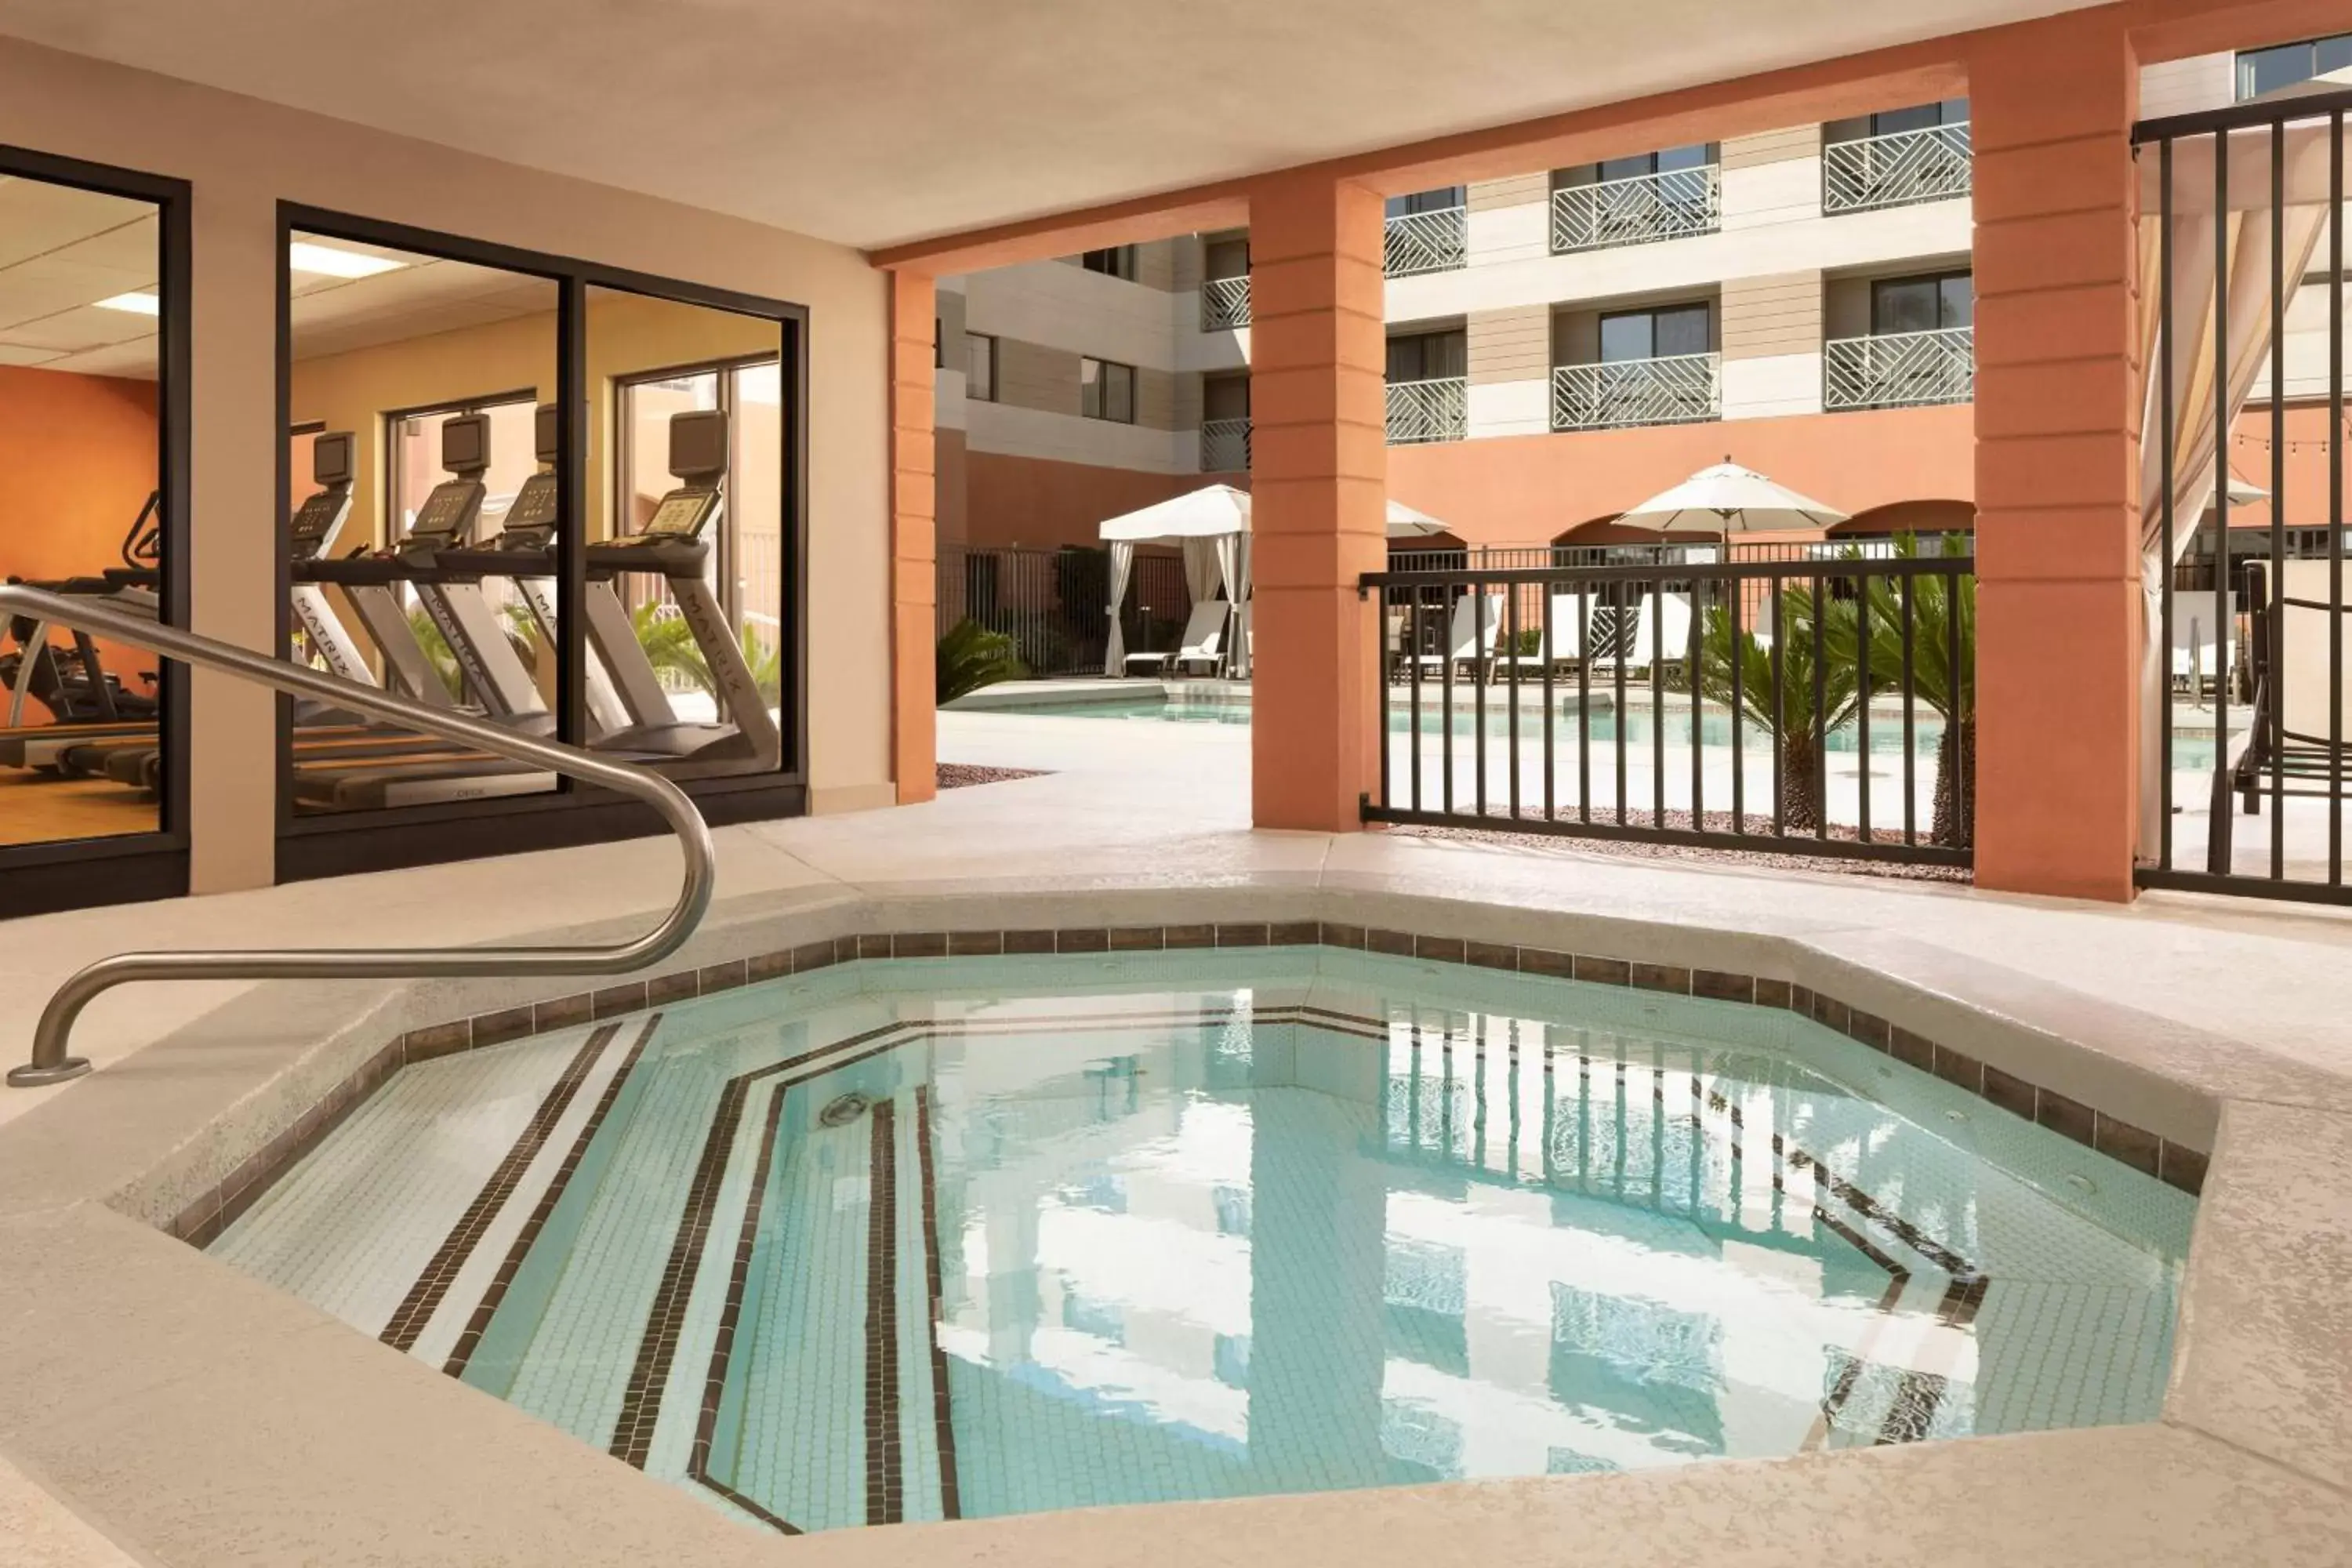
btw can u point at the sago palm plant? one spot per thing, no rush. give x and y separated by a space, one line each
1943 674
1796 722
971 656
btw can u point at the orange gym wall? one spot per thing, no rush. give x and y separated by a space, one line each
77 461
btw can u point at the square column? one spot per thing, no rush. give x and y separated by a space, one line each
914 547
2057 457
1318 484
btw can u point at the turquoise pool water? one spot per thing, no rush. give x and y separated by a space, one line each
963 1238
2190 754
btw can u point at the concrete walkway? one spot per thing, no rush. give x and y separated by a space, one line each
2241 1004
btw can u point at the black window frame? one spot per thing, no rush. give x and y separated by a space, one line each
1102 385
132 867
970 338
1652 312
2245 66
343 842
1938 277
1112 261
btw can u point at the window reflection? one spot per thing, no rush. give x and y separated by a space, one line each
81 743
415 383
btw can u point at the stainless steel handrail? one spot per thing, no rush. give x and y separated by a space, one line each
49 1062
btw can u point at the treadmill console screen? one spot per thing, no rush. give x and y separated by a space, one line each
680 514
444 515
317 522
534 505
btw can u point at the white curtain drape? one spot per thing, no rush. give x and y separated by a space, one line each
2199 450
1233 560
1122 560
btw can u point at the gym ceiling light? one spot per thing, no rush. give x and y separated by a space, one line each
137 302
327 261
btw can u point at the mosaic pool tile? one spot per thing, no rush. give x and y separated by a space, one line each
968 1234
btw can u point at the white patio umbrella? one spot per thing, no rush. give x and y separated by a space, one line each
1411 523
1729 498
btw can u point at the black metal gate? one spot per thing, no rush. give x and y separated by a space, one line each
1821 706
2244 685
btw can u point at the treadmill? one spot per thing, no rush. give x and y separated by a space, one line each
85 702
311 532
435 560
674 544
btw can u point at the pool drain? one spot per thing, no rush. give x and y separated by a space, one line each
842 1111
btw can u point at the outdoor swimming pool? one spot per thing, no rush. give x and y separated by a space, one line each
2191 752
954 1237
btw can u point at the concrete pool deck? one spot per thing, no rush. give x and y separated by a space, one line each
159 1406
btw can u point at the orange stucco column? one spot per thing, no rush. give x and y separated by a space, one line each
914 549
2057 418
1318 478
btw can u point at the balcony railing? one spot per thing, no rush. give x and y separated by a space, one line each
1426 242
1225 445
1224 304
1672 204
1428 410
1900 370
1930 165
1681 389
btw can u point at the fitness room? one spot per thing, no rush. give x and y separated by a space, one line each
427 470
521 447
91 305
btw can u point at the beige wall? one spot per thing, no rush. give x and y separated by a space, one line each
1509 345
1777 315
243 157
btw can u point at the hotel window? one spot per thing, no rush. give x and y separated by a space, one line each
1116 261
1667 332
1446 198
1107 390
980 367
1920 117
2267 70
1925 304
1428 356
1666 160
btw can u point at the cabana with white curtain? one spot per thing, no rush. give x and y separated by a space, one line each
2207 399
1212 527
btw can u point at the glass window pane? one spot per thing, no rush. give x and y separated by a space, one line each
1915 116
980 367
1627 337
431 441
1691 157
1119 393
688 615
2330 55
1628 168
1904 305
1960 301
79 441
1091 392
1682 330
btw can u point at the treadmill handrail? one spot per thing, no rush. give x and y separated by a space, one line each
49 1062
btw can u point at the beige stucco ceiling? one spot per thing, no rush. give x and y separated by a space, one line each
875 121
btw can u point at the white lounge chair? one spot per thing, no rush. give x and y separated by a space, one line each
1560 650
1643 635
1203 642
1470 640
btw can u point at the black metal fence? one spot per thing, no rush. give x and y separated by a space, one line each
1052 602
1824 706
2247 692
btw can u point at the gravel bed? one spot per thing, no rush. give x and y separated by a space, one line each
958 775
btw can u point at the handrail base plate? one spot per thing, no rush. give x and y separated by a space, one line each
28 1075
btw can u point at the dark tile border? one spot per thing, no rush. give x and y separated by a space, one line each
204 1217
